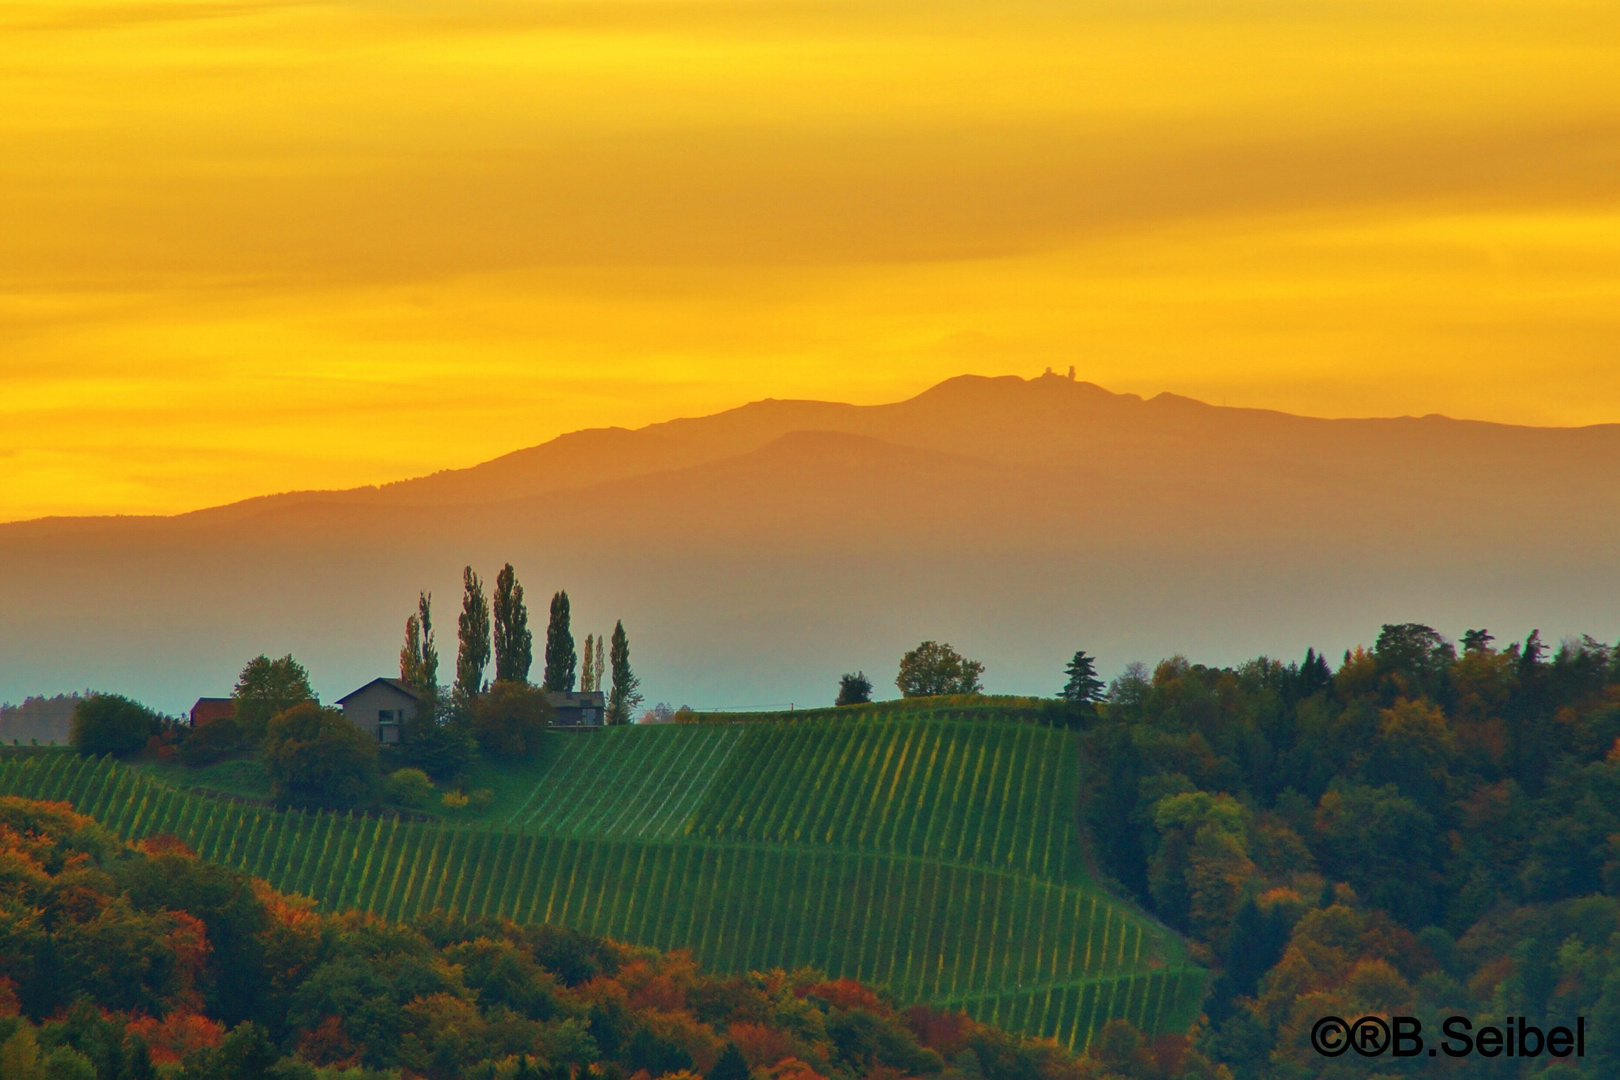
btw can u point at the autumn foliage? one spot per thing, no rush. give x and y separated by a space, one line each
127 963
1421 831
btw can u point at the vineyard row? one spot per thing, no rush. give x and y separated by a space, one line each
960 934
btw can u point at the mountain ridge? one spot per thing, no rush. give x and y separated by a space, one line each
565 462
757 554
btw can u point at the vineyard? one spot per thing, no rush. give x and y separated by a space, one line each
993 795
937 857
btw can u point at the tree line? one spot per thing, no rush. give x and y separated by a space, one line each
498 627
935 669
312 754
315 756
504 716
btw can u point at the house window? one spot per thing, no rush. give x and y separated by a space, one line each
588 715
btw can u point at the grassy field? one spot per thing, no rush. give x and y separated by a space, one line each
936 856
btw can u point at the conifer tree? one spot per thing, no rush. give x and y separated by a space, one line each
560 656
514 645
473 654
1083 684
587 665
601 662
730 1065
626 692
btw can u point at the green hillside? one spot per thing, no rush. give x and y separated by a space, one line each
989 794
935 856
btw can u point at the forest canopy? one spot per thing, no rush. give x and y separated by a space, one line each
1422 830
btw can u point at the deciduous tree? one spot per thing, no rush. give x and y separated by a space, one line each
509 719
315 755
560 656
267 687
514 645
932 669
626 692
419 659
472 654
854 689
111 724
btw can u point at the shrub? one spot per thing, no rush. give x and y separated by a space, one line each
854 689
454 800
409 787
207 744
315 755
509 719
110 724
438 738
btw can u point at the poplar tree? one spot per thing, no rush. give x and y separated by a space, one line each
419 659
587 665
514 645
601 662
430 651
626 693
410 654
473 655
560 656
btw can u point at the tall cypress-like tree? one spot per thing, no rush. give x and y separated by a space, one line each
430 651
601 661
587 665
514 645
410 654
473 655
626 692
419 658
560 656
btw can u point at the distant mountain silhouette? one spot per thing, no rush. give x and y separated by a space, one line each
758 553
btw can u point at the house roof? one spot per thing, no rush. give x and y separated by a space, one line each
395 684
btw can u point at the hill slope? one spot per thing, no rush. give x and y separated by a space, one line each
936 857
988 794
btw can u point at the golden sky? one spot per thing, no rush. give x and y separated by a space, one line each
255 246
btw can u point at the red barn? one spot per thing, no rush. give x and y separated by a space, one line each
209 709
